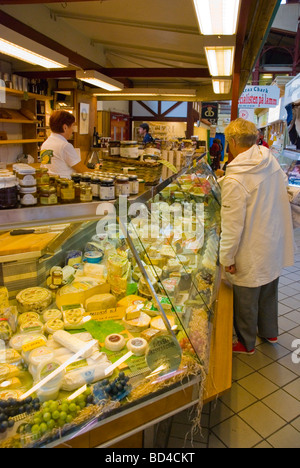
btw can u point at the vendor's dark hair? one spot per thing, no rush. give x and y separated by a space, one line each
60 118
145 126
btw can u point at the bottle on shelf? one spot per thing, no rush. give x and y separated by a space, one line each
95 138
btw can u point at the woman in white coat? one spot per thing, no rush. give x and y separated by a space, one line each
257 234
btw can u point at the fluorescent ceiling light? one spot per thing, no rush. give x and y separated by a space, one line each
217 17
150 92
220 60
98 79
221 86
22 48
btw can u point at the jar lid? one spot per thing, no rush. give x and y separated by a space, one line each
27 170
7 181
107 181
133 177
122 179
28 189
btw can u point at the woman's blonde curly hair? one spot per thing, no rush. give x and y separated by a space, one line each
243 132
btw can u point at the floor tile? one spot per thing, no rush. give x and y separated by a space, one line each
286 324
283 281
288 291
240 369
294 316
295 285
264 445
235 433
214 442
288 437
292 276
219 412
262 419
283 309
291 302
293 389
278 374
286 340
295 332
257 361
238 398
258 385
273 351
296 424
287 361
283 404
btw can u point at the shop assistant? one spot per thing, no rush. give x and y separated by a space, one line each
57 154
144 132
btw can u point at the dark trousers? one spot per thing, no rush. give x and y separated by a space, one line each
256 310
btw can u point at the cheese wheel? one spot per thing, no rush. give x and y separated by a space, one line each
139 324
138 346
114 342
39 355
159 324
51 314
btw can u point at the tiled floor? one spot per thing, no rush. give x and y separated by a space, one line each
262 409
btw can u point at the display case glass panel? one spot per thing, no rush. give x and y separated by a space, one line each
100 316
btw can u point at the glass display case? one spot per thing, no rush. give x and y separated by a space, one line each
105 307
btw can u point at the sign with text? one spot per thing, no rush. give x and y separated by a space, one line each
209 112
259 97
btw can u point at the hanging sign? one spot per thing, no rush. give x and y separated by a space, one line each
259 97
209 112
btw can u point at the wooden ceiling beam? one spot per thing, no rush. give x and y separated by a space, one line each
157 72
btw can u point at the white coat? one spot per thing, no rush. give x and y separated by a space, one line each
257 232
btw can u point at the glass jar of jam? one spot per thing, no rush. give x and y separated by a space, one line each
8 191
48 195
122 186
27 177
134 185
86 194
114 148
95 185
28 196
142 185
67 191
42 176
85 179
107 189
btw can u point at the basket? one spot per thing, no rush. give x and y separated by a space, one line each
150 172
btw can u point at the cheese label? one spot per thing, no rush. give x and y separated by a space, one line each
108 314
33 345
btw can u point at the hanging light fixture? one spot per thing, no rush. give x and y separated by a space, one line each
22 48
217 17
221 86
220 60
98 79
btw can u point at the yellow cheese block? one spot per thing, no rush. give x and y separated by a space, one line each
100 302
158 323
79 292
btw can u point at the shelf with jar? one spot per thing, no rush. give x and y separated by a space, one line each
30 114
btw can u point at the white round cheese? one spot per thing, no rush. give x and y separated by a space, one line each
137 346
114 342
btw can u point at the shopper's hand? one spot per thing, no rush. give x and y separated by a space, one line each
231 269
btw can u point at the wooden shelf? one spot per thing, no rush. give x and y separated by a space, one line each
20 142
17 117
24 95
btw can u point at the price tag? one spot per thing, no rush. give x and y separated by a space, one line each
169 165
108 314
33 345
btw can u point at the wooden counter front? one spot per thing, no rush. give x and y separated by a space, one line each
125 431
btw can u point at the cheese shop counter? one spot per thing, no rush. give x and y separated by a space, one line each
117 315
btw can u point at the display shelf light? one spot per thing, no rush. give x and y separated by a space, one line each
22 48
98 79
220 60
221 86
217 17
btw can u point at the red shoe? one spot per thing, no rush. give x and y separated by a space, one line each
272 340
239 348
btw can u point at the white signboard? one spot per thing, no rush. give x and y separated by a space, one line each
259 97
292 90
247 114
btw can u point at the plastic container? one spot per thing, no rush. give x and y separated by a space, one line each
122 186
93 256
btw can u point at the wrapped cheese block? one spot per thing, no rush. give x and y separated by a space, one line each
80 291
117 265
34 299
100 302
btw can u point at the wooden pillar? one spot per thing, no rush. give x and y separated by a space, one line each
190 121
